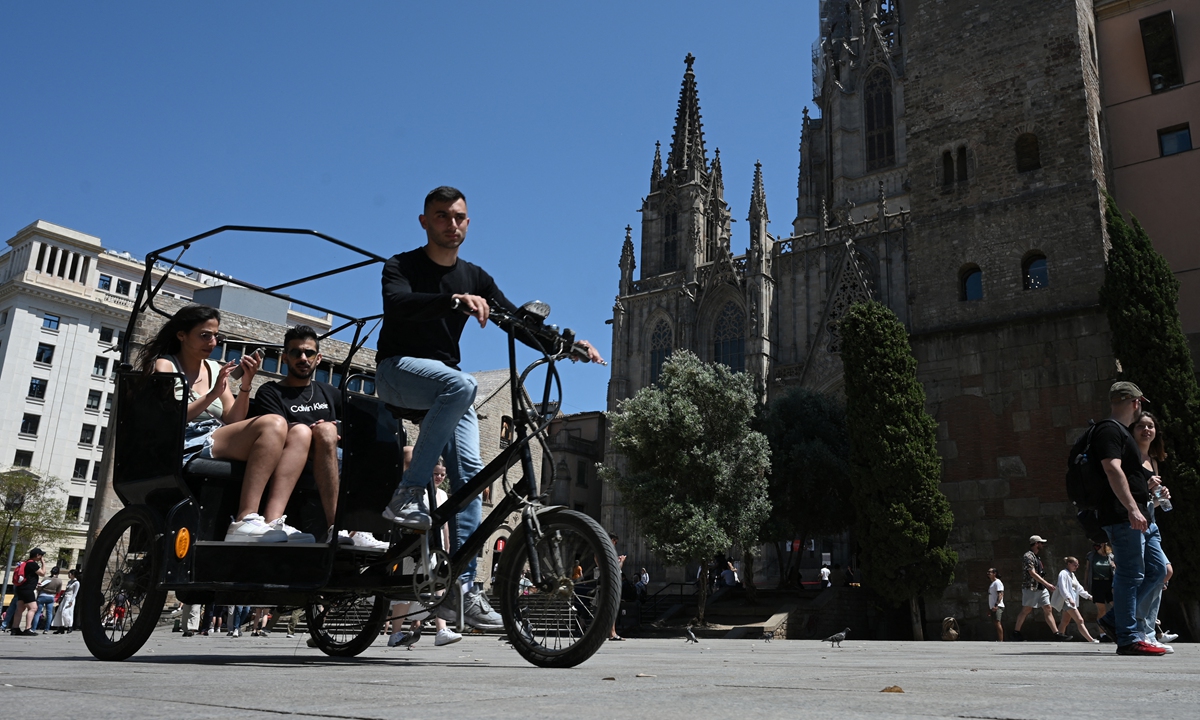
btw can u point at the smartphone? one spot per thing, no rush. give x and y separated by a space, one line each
237 371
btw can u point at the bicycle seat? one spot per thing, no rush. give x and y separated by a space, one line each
409 414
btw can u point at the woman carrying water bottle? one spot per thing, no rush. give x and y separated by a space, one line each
1153 449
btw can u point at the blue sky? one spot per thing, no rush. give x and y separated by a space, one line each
146 122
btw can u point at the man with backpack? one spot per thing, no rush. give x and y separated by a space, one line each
1140 563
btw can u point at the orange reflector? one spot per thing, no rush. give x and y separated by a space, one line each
183 543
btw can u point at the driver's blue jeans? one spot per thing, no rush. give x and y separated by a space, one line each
450 430
1137 580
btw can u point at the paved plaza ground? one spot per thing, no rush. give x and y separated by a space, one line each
480 677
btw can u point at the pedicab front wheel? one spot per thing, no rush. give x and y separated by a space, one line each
345 624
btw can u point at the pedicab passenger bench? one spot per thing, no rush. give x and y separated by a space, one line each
192 504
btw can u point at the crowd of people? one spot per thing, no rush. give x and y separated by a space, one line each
43 601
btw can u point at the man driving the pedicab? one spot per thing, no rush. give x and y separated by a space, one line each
428 293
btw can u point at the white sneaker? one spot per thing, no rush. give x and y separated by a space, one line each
367 541
1153 641
1169 637
252 528
446 636
293 535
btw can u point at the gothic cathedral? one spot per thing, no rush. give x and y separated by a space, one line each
955 174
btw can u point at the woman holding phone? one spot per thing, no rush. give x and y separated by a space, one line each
217 426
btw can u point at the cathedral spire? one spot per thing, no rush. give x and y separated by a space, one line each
627 263
718 181
656 170
687 142
758 196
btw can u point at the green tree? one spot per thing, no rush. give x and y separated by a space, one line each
809 486
694 470
1140 296
904 520
33 500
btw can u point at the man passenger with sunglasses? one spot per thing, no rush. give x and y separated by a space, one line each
311 408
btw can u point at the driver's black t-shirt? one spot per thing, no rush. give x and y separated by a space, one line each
418 319
1113 440
305 405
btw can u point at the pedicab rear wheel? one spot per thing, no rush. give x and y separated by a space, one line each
345 624
119 602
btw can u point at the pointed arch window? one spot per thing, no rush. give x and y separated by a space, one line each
711 236
880 126
670 258
660 349
729 337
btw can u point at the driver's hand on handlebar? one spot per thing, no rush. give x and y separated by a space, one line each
593 355
474 306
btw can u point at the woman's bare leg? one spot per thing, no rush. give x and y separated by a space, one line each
287 471
259 442
1078 619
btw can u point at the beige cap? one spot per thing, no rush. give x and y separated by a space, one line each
1037 539
1125 389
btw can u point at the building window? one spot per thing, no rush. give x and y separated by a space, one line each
729 337
1035 273
322 373
45 353
37 388
880 131
106 335
105 283
93 401
970 284
670 260
87 512
1162 52
65 557
74 505
123 287
50 322
581 473
1029 157
87 434
103 435
96 472
41 257
81 468
100 366
947 169
961 165
23 458
660 349
108 402
1174 140
29 424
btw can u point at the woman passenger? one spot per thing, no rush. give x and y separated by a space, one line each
217 426
1153 449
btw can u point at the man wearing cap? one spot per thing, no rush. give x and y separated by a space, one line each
1035 590
1140 563
27 593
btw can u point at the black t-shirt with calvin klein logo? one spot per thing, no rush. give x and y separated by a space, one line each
307 405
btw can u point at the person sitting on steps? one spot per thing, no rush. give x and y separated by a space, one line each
217 426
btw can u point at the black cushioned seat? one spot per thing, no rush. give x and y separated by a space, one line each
214 469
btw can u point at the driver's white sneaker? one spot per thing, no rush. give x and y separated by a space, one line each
364 540
407 508
252 528
293 535
478 612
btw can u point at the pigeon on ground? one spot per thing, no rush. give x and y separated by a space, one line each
768 635
405 639
838 638
691 636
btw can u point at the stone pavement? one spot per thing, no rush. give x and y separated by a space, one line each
480 677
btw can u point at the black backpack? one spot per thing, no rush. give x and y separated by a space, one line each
1087 484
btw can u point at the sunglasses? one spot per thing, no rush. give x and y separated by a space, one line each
297 353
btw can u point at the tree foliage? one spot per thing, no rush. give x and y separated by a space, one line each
32 499
1140 296
809 486
694 470
904 520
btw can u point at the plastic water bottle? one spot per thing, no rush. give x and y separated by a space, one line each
1163 503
